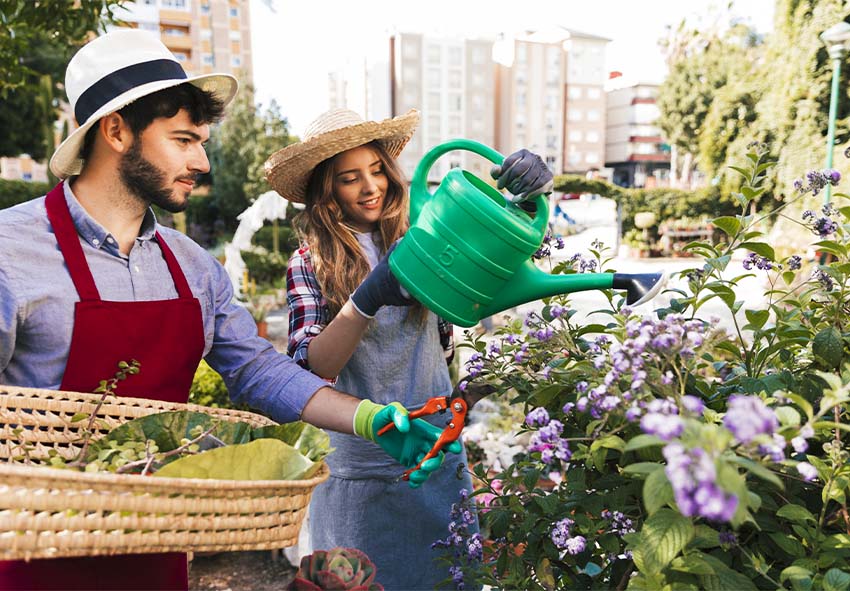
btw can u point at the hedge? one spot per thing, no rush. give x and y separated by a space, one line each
14 192
665 202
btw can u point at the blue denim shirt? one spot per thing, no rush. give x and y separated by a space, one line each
37 300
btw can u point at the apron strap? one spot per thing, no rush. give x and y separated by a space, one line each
69 244
174 267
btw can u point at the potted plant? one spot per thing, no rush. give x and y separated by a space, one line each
338 568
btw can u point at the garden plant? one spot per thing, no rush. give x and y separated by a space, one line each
665 451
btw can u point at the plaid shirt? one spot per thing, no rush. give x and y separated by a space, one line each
309 314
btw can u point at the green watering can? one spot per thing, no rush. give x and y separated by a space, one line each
467 254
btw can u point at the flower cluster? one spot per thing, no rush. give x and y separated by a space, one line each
816 180
550 241
647 341
547 439
748 417
561 535
693 476
822 226
794 262
760 262
620 524
464 542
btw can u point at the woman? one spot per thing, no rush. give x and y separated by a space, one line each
350 321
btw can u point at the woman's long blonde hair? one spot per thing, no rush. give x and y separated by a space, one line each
338 261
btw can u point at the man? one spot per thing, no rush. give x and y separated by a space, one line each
89 279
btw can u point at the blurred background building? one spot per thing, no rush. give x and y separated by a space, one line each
635 151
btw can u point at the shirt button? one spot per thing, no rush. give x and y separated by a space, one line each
95 241
110 240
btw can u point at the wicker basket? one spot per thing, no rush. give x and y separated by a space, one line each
49 513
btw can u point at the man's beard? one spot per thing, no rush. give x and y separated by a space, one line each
147 182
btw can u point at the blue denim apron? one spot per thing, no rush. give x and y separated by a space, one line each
360 505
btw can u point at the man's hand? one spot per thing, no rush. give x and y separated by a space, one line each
524 174
408 443
380 288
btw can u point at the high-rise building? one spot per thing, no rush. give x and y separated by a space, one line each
635 149
450 81
204 35
550 97
362 86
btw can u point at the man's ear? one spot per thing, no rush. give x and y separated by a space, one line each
115 132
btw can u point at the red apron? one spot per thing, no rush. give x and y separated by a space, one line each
167 339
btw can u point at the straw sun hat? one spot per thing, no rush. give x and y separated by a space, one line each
112 71
288 170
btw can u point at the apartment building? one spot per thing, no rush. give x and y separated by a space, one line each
550 97
362 86
450 81
23 168
204 35
635 149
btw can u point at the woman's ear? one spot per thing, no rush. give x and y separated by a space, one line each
115 132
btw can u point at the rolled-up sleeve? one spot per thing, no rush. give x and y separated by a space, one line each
253 371
308 309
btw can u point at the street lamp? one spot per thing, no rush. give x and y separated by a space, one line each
835 39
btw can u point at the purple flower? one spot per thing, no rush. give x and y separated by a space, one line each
538 417
664 426
575 545
794 262
692 474
747 417
692 404
807 471
799 443
561 532
727 538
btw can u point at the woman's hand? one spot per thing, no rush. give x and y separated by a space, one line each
524 174
380 288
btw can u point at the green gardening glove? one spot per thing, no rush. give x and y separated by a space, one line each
408 443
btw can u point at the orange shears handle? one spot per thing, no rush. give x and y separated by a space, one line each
451 433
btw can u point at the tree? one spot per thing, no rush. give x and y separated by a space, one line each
24 25
237 150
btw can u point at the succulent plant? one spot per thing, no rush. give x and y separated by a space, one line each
345 569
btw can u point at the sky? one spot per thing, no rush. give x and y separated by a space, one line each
296 43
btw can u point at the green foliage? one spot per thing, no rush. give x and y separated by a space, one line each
15 192
208 389
266 268
26 25
237 150
628 510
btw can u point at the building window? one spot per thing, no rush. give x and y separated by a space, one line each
435 54
455 80
236 61
410 50
454 126
575 114
593 93
455 102
149 26
234 11
178 4
477 103
207 59
592 137
575 135
455 56
478 56
574 92
550 162
180 56
434 78
552 141
205 8
235 36
521 53
574 158
593 115
520 100
434 101
206 33
591 157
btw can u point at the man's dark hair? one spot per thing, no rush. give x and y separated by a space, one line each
202 106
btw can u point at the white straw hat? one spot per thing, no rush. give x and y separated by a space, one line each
288 170
112 71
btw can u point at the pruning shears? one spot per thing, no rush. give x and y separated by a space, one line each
438 404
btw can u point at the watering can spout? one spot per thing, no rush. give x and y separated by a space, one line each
530 284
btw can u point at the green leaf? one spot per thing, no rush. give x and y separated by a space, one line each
794 573
788 416
729 224
795 514
761 248
724 579
657 491
719 263
263 459
836 580
609 441
643 440
79 417
663 536
837 541
757 317
831 246
705 537
827 346
757 469
642 468
788 544
802 403
694 563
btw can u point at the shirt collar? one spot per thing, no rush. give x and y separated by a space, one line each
95 234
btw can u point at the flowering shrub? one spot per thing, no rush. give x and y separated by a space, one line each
685 456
